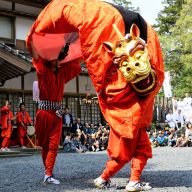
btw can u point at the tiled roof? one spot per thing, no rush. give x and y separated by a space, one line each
13 63
19 53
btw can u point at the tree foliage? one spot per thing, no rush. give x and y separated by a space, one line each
174 25
182 32
127 4
168 16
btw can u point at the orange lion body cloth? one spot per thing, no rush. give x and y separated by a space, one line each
127 113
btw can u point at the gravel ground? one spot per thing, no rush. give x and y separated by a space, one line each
170 170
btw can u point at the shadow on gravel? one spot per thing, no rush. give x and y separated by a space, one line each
77 173
157 179
173 178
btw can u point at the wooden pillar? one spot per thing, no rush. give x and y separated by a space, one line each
23 87
78 98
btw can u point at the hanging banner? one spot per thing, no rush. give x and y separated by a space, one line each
35 91
167 85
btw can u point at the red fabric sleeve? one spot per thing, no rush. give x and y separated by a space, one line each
38 65
28 118
19 117
71 70
4 109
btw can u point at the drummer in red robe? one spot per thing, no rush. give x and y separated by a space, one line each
6 124
23 119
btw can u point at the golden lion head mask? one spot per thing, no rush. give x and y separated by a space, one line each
131 57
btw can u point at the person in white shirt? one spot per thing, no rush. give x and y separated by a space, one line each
179 119
187 101
170 119
180 104
174 103
188 116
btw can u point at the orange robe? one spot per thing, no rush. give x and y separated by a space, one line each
22 117
6 117
93 20
127 113
48 126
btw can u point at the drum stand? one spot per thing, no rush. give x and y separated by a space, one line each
33 143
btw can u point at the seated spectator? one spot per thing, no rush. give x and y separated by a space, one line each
179 119
181 141
90 142
172 138
153 140
160 126
166 132
95 146
188 116
170 119
76 145
73 144
104 140
100 127
93 128
87 129
76 125
161 139
67 143
187 102
82 137
188 133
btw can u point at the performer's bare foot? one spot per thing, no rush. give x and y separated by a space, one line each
101 183
51 180
137 186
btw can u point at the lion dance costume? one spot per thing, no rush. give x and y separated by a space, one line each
124 61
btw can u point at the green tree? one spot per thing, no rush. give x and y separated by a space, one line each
127 4
174 28
182 33
168 16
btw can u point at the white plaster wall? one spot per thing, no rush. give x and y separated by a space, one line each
83 80
27 9
13 83
28 80
70 87
22 27
5 5
5 31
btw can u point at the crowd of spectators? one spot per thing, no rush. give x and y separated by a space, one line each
82 137
88 138
176 130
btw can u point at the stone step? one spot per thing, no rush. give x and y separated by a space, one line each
9 152
30 150
18 152
8 155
